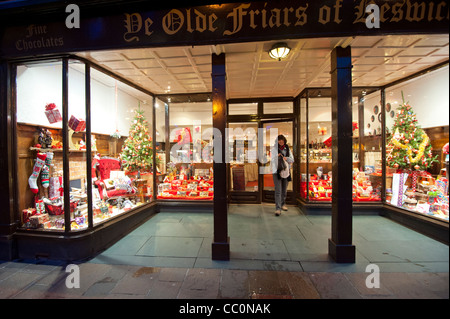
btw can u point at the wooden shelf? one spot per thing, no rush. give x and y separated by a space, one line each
56 150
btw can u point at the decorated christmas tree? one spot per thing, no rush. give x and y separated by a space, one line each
409 147
137 151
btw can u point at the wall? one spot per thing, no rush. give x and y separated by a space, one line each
428 96
112 103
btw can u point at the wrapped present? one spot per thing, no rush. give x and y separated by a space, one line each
37 220
27 213
76 124
54 187
52 113
442 184
40 207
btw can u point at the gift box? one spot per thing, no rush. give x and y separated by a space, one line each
37 220
40 206
77 124
27 213
54 187
52 113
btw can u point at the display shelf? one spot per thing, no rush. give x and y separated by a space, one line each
56 150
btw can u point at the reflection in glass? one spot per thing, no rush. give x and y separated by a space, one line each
242 143
122 147
39 145
189 171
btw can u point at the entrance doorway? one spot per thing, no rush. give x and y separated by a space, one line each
250 148
271 129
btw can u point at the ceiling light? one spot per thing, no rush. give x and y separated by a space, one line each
279 51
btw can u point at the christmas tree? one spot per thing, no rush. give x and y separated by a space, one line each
137 151
409 147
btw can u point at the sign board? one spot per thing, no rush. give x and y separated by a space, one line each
225 23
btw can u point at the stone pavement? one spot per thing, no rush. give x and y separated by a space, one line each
47 280
168 257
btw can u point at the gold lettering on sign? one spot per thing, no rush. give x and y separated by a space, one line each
301 16
173 21
237 16
133 24
252 14
418 11
337 7
398 12
324 14
274 19
405 10
286 16
384 8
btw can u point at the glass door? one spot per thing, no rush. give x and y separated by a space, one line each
271 130
242 154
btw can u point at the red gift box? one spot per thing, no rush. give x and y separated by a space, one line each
27 213
76 124
52 113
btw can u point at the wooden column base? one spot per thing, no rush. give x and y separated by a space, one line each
341 253
221 250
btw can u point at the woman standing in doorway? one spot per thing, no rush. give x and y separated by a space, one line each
281 158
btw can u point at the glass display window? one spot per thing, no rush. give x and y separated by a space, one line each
77 138
52 107
417 144
319 149
189 171
39 145
367 146
122 147
161 113
303 142
316 146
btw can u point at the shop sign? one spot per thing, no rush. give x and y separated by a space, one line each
235 22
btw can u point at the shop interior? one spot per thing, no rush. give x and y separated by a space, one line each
151 110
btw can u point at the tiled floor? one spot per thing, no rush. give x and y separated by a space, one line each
285 257
261 241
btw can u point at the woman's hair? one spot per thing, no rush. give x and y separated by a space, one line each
281 137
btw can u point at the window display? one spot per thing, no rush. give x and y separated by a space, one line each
118 183
189 172
416 177
122 165
316 153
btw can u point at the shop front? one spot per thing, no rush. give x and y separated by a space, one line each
180 110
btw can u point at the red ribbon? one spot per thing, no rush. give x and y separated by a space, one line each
50 106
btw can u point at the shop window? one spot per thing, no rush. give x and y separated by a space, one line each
278 107
367 147
303 148
161 113
76 131
121 118
316 153
122 147
319 149
417 144
39 145
242 108
189 171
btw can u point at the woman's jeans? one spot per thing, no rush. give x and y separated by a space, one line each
280 191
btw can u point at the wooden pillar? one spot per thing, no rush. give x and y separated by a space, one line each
221 241
340 246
